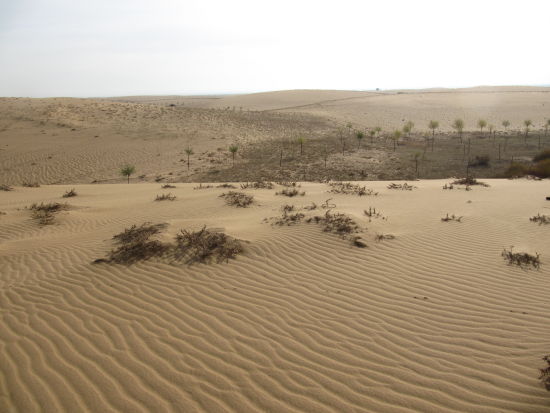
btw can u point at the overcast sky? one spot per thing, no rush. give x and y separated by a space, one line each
134 47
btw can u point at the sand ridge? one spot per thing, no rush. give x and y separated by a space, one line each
432 321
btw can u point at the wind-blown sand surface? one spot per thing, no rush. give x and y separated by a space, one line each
432 321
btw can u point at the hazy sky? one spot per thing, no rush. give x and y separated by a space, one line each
133 47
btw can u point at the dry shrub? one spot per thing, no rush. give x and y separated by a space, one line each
311 207
290 192
448 186
383 237
6 188
541 219
372 213
541 169
469 181
204 245
30 185
287 208
289 184
134 244
201 186
238 199
45 213
165 197
350 189
257 185
453 217
337 223
404 187
358 242
226 186
521 259
516 170
167 186
541 156
545 373
70 194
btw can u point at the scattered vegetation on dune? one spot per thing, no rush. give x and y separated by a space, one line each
540 219
350 189
45 213
238 199
165 197
287 218
257 185
289 184
337 223
383 237
201 186
70 193
127 171
204 245
290 192
6 188
545 373
404 187
469 181
373 213
521 259
225 185
135 244
449 218
31 184
167 186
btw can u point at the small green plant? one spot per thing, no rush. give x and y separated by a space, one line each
395 137
359 135
233 150
127 171
350 189
403 187
408 127
301 140
189 152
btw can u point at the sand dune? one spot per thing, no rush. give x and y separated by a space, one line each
432 321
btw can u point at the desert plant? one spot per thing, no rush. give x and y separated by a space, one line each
505 123
383 237
127 170
545 373
290 192
134 244
469 181
238 199
521 259
225 185
288 218
516 170
481 124
165 197
541 156
378 130
433 125
480 161
540 219
350 189
69 194
233 150
450 218
408 127
301 140
546 126
404 187
257 185
5 187
45 213
337 223
201 186
189 152
167 186
28 184
541 169
527 123
372 132
373 213
204 245
458 124
395 137
359 136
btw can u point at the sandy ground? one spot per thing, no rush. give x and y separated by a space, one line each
432 321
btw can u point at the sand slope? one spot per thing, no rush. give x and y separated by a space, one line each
433 321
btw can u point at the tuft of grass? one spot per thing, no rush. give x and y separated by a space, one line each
404 187
238 199
227 186
257 185
372 213
469 181
30 184
290 192
453 217
201 186
165 197
70 194
545 373
521 259
350 189
167 186
541 219
6 188
204 245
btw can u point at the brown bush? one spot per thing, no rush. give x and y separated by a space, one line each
238 199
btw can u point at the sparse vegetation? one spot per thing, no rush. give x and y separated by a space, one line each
541 156
257 185
30 184
350 189
70 194
201 186
458 125
545 373
383 237
373 213
481 124
433 125
449 218
540 219
189 152
287 218
238 199
233 150
480 161
225 185
337 223
290 192
6 188
205 245
127 171
469 181
167 186
404 187
165 197
45 213
521 259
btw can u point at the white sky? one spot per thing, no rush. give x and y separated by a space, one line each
134 47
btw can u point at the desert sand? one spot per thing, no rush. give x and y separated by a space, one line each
432 321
